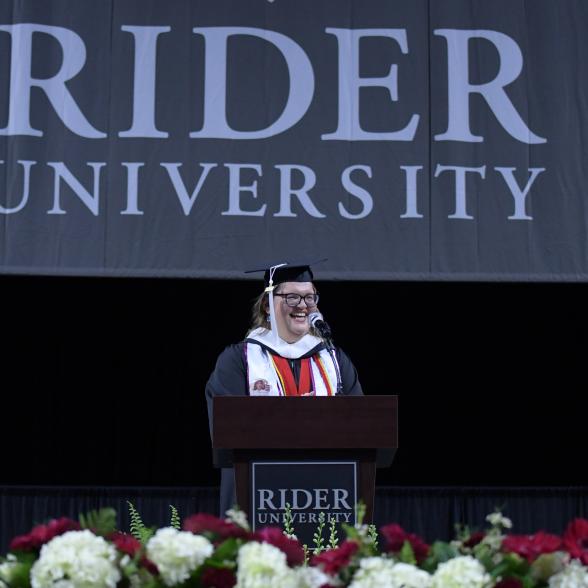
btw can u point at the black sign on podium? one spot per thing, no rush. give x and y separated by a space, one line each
308 489
327 469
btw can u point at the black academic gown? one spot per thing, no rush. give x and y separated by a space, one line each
229 378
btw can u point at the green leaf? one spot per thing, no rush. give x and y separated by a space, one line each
528 582
306 554
333 539
20 574
516 565
503 569
440 552
225 552
24 557
485 555
101 522
138 528
406 554
360 509
547 565
146 580
351 532
146 534
288 520
443 551
175 518
318 536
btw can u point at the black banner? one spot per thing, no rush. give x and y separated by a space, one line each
399 139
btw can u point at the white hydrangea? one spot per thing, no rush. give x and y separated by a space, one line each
237 517
574 575
496 519
77 559
300 577
5 575
310 577
280 576
177 553
410 576
493 540
379 572
6 570
261 565
461 572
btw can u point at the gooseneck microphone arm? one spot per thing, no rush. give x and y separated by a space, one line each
317 322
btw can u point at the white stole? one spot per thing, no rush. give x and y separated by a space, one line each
263 380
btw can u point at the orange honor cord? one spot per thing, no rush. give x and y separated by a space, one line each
323 373
280 378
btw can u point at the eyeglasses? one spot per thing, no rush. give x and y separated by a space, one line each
295 299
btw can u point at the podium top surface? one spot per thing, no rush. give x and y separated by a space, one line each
340 422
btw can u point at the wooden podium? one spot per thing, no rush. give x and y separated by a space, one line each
362 429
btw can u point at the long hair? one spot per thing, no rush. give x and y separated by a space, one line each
260 314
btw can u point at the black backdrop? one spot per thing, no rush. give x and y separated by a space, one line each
103 379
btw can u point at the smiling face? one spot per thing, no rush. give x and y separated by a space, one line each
293 321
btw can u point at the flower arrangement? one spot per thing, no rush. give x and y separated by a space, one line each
209 552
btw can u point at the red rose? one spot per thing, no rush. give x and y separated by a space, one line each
60 526
22 543
207 523
218 578
575 540
42 534
131 546
395 537
532 546
146 563
125 543
474 539
332 560
274 536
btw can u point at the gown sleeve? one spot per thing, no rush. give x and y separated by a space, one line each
229 377
351 385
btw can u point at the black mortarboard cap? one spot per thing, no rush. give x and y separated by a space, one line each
288 271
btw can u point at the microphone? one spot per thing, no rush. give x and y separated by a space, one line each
316 320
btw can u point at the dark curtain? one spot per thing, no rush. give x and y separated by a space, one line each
21 507
427 511
433 511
